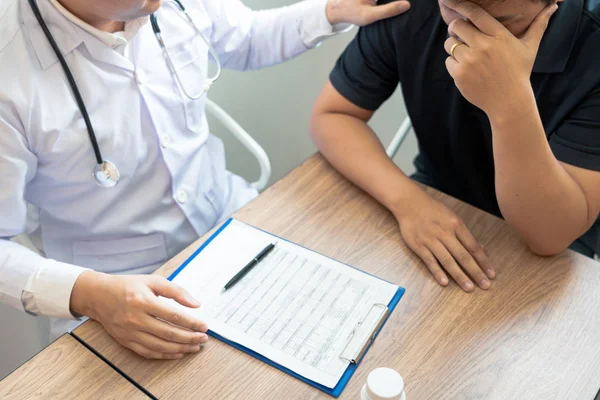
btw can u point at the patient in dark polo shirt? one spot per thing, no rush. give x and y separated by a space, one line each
504 96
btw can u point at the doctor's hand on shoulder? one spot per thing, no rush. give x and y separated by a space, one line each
129 309
363 12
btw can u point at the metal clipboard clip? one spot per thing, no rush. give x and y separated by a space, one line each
363 333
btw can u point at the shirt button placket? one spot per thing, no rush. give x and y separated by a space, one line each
181 196
140 77
165 141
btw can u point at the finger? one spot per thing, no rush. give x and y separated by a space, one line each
453 67
447 261
466 261
376 13
460 48
432 264
177 317
162 346
478 16
535 33
170 332
166 288
151 354
465 31
471 244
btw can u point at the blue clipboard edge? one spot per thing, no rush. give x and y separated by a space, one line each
337 390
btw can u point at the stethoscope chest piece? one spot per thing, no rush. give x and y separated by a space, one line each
106 174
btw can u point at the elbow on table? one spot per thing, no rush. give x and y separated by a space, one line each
546 247
315 124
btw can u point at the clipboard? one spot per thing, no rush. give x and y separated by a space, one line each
355 349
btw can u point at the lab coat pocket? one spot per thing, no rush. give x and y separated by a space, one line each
131 255
191 66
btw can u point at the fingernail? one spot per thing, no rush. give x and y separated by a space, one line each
491 273
203 338
441 278
195 348
469 286
193 301
485 284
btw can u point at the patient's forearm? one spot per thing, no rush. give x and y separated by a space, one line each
352 147
537 196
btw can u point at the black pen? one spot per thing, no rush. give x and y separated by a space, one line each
248 267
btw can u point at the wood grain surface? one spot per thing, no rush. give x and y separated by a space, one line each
534 335
67 370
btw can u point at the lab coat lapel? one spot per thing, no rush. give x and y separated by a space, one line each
67 36
64 33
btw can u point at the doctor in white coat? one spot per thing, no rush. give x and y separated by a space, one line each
98 242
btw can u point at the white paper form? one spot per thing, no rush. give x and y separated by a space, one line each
296 307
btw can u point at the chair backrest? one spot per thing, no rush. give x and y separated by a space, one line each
248 142
399 138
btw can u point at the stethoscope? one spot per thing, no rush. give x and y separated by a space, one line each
105 172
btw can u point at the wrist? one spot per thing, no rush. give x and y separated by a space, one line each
405 198
86 287
332 12
521 104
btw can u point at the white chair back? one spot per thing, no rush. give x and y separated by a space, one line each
248 142
399 138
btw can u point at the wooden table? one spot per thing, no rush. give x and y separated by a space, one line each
67 370
534 335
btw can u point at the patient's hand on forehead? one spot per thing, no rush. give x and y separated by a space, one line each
515 15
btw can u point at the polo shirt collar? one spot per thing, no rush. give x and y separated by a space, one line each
559 38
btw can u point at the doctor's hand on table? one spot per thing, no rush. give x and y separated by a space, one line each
129 309
363 12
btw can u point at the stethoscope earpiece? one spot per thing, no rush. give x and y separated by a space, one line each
209 81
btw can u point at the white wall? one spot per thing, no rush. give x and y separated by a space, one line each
274 105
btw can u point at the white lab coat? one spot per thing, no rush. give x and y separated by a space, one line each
174 184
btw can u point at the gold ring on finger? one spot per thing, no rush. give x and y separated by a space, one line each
453 49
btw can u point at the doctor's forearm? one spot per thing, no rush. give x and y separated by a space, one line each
30 282
270 37
537 196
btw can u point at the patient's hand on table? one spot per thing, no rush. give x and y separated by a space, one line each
444 243
129 309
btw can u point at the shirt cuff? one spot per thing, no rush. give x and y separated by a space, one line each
48 291
314 27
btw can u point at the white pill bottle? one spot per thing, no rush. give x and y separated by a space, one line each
383 384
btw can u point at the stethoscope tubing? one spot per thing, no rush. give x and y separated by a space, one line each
105 172
71 79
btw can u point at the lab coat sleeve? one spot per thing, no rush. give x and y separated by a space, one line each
28 281
246 39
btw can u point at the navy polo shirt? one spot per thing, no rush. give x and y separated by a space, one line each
455 137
